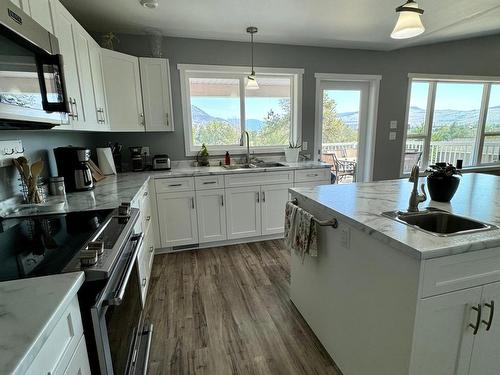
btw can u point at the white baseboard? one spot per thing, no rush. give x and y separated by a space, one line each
207 245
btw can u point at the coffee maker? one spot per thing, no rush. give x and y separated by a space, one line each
137 158
72 164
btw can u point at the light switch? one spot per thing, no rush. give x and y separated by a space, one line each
392 136
304 146
394 124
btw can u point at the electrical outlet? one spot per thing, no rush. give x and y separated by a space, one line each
145 150
304 146
392 136
346 237
393 124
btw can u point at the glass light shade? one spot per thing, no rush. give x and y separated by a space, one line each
252 83
409 24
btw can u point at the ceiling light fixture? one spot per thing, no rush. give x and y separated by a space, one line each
252 81
409 22
151 4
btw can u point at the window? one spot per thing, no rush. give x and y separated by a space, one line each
217 108
450 119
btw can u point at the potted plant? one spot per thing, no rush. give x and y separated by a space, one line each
292 152
202 156
443 181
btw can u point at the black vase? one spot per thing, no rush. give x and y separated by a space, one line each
442 188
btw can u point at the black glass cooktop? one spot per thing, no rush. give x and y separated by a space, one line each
43 245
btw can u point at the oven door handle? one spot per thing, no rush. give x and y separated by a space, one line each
122 285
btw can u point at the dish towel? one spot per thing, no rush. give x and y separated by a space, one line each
300 231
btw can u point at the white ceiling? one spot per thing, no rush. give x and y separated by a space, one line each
329 23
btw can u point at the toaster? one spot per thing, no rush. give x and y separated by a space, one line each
161 162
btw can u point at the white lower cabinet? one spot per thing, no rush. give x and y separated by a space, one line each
273 202
79 364
447 341
177 218
243 212
211 212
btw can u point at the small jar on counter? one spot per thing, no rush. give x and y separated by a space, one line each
56 186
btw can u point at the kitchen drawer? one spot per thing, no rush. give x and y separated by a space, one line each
311 184
146 216
145 262
170 185
79 364
56 353
259 178
209 182
446 274
306 175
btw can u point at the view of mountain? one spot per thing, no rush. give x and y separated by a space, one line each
417 117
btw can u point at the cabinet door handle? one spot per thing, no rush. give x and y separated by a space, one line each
312 175
71 114
141 120
192 203
151 249
168 120
258 197
175 185
148 218
209 182
222 200
475 327
491 306
264 197
76 108
143 282
145 194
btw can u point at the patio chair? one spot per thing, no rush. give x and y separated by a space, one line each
343 168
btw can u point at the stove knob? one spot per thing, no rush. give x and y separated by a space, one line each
88 258
98 246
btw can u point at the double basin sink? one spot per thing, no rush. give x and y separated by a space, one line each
254 165
439 222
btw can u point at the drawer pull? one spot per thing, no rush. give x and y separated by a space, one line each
222 200
145 194
258 197
264 196
151 249
143 282
491 306
312 175
173 185
148 218
209 182
475 327
192 203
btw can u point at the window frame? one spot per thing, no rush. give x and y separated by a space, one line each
481 134
188 71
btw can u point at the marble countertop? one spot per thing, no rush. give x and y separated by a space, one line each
115 189
29 310
361 205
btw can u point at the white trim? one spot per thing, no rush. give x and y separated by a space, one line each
452 78
237 69
347 77
191 70
368 133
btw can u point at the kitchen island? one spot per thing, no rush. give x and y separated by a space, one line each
386 298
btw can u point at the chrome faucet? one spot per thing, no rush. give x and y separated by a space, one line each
415 197
248 144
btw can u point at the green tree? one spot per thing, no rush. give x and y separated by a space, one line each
450 132
276 127
215 132
334 128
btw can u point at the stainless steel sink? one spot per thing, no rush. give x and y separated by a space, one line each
254 165
439 222
238 166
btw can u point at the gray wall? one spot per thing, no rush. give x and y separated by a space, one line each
479 56
37 145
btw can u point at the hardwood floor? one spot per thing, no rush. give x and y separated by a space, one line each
226 310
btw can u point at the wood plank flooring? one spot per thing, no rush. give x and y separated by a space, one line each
226 310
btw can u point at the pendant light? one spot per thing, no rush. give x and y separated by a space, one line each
251 79
409 23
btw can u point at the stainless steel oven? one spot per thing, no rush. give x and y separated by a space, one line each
32 90
122 337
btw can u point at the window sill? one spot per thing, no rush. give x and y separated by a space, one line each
241 150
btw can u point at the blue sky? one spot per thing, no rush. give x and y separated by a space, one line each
347 100
227 108
459 96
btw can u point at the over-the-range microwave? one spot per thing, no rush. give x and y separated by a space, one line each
32 90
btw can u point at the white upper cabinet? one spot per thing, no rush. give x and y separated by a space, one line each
64 23
82 48
98 85
40 12
156 93
123 91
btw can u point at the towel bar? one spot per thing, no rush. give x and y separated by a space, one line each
323 223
